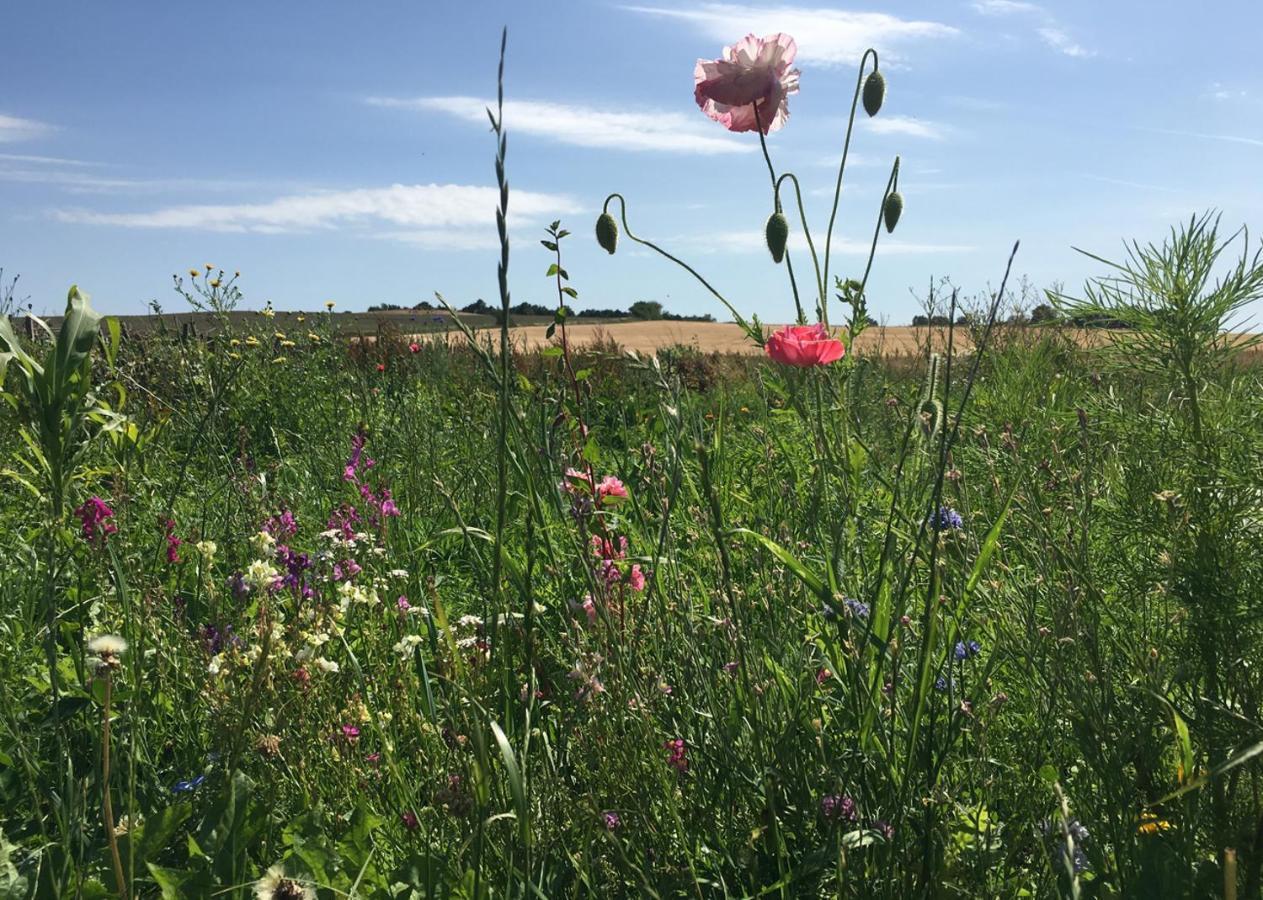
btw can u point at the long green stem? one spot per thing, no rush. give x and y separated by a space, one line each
107 808
846 147
771 171
622 204
811 246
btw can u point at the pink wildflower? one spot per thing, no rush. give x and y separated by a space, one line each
804 346
754 72
611 490
94 515
677 755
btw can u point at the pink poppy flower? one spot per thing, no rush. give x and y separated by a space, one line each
414 347
804 346
753 71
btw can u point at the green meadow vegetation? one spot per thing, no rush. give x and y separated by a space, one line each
290 616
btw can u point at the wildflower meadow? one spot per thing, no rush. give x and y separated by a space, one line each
291 613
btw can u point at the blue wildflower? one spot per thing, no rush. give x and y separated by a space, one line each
966 650
187 787
856 608
946 519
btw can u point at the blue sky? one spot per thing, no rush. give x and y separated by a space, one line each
339 151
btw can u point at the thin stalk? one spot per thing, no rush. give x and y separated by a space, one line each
107 808
771 170
846 147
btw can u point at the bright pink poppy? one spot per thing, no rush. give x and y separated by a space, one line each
804 346
753 71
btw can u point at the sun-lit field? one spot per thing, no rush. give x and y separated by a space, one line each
523 603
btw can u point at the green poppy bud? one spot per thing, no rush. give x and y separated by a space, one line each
874 92
607 232
892 209
777 233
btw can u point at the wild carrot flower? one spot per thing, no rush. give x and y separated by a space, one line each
804 346
274 885
94 516
754 72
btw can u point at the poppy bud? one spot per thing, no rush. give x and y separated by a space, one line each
607 232
892 209
777 233
874 92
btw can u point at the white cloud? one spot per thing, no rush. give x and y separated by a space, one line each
14 129
827 37
448 215
1005 7
586 126
905 126
1063 43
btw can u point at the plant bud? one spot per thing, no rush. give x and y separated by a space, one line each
892 210
607 232
874 92
777 233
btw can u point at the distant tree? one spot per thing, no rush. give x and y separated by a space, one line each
384 307
646 309
1044 312
424 305
479 307
920 321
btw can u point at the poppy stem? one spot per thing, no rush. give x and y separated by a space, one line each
846 147
771 170
815 261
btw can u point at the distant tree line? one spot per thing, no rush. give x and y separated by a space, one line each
645 310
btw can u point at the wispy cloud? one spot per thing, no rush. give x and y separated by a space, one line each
1063 43
1005 7
1049 30
905 126
584 126
454 216
1228 138
827 37
1220 91
14 129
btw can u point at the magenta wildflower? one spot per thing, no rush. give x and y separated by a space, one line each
94 515
173 543
838 808
677 755
410 820
350 733
610 491
403 603
612 821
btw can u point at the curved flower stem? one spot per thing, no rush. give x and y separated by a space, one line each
622 205
815 261
771 170
891 184
846 146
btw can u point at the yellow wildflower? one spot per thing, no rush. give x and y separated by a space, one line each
287 343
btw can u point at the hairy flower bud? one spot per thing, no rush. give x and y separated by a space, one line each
892 209
874 92
607 232
777 234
